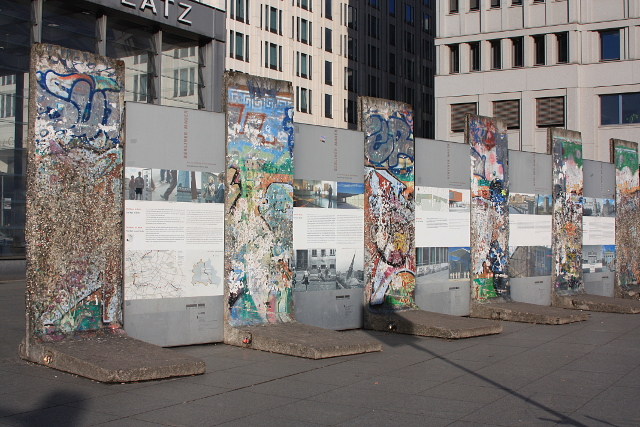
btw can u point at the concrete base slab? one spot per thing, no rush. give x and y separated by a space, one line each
597 303
111 358
297 339
429 324
526 313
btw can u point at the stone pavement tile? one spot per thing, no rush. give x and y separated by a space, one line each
440 346
615 403
203 350
381 417
580 419
48 395
224 379
214 410
178 390
278 369
355 396
331 376
598 362
63 416
547 332
469 424
124 403
316 412
389 384
450 409
486 352
512 340
270 421
189 415
439 370
465 392
364 366
629 349
500 376
569 383
587 336
548 355
127 422
287 387
632 379
516 410
222 362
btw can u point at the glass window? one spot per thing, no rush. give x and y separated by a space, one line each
495 3
391 91
392 34
496 54
352 48
328 110
623 108
474 50
15 24
392 63
328 73
518 51
426 22
327 9
540 48
273 56
516 2
179 76
474 4
328 40
133 44
352 17
610 45
350 80
392 7
408 14
373 27
68 26
454 59
563 47
453 6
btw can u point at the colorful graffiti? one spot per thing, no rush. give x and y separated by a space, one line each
566 151
389 204
624 155
487 138
74 194
259 200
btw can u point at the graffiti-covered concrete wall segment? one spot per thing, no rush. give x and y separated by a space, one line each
74 192
259 200
487 138
388 204
565 147
624 155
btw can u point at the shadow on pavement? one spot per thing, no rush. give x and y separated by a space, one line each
411 341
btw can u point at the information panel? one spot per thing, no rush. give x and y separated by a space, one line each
328 227
174 226
530 221
442 226
598 228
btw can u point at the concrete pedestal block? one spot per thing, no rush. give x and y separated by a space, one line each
526 313
429 324
111 358
297 339
597 303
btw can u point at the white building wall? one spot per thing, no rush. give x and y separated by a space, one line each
581 81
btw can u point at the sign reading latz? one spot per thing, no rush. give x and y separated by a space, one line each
150 5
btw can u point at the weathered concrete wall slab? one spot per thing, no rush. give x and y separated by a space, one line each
74 192
388 204
259 200
487 138
624 156
565 147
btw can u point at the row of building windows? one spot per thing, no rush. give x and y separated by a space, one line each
609 50
615 109
474 5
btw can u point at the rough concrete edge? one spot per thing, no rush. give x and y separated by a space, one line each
385 323
51 357
239 337
574 302
484 311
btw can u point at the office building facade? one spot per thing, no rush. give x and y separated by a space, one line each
540 63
